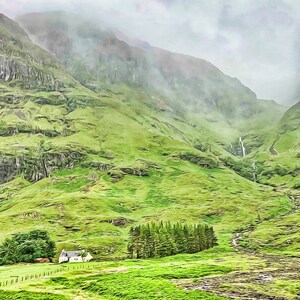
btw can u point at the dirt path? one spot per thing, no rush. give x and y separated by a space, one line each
273 150
235 241
254 284
251 285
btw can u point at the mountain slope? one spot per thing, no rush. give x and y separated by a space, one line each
282 148
85 163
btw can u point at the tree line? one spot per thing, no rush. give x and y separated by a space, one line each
164 239
27 247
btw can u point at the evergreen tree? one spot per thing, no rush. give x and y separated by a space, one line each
130 246
163 239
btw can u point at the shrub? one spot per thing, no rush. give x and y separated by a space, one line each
243 167
296 185
27 247
281 171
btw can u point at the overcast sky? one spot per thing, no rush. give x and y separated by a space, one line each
257 41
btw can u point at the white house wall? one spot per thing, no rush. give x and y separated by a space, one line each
75 259
88 257
62 259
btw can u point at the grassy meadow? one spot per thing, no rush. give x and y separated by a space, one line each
176 277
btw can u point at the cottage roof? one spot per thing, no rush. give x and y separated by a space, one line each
70 253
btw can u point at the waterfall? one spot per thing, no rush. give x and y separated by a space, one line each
254 171
242 146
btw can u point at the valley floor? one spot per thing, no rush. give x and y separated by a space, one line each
212 274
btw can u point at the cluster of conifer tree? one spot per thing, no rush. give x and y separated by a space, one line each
164 239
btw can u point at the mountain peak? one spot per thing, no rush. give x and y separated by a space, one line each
24 63
12 28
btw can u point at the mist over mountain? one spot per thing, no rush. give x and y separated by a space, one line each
253 41
97 57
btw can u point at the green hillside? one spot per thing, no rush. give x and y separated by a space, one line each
99 134
281 160
86 158
86 163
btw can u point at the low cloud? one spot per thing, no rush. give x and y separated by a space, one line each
255 41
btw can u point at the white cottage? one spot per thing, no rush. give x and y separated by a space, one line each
74 256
